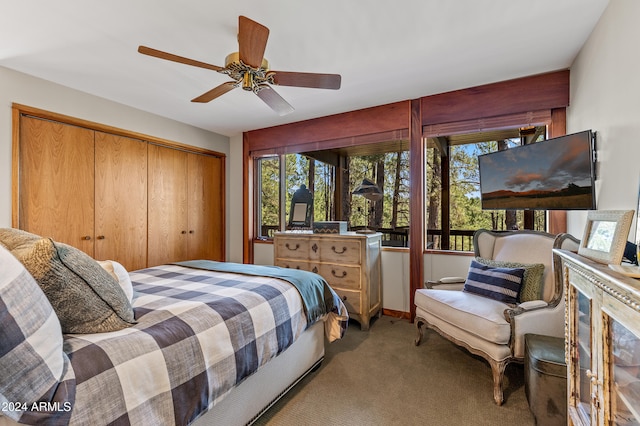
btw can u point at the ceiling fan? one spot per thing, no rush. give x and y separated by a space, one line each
250 70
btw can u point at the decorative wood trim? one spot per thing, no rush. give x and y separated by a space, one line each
248 230
54 116
336 143
379 119
397 314
529 118
15 168
416 204
535 93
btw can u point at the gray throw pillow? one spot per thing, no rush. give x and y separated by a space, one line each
86 298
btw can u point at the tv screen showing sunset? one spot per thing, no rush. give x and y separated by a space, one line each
556 174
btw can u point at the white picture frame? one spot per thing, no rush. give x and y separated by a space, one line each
605 235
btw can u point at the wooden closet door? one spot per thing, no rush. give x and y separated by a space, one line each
56 182
205 207
167 215
121 200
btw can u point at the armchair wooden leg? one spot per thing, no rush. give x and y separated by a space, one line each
497 368
419 324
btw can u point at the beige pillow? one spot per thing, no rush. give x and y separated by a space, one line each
108 266
531 282
120 274
16 239
86 298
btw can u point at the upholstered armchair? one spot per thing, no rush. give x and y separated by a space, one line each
485 320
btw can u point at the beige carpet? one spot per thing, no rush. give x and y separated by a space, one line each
379 377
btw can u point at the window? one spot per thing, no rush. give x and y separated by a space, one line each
452 188
332 177
268 194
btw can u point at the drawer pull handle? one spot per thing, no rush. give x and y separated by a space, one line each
297 267
333 272
292 249
344 298
338 252
101 237
314 247
86 238
315 270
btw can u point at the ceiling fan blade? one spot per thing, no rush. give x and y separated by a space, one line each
252 41
175 58
215 92
275 101
307 79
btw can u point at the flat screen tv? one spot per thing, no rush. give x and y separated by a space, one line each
556 174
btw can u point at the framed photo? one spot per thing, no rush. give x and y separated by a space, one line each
605 235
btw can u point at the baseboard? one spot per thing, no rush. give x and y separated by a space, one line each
396 314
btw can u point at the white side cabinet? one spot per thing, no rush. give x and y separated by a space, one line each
349 262
603 343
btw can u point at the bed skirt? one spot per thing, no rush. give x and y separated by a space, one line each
247 401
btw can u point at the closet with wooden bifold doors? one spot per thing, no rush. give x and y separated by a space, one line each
109 195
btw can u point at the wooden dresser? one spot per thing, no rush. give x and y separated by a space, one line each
349 262
602 343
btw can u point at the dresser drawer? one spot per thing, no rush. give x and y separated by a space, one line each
351 300
292 248
341 276
340 251
293 264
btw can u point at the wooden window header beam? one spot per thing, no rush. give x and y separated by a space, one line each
319 131
534 93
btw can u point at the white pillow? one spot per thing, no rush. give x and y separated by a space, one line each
123 279
120 274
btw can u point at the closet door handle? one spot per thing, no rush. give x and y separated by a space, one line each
183 232
192 231
86 238
100 237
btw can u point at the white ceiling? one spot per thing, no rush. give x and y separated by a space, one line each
386 51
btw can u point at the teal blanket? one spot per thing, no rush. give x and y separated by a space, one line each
317 296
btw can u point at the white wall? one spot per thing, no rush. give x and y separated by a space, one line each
235 205
20 88
605 97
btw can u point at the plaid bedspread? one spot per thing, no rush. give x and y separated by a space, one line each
199 333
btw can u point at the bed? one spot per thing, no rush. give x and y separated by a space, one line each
206 342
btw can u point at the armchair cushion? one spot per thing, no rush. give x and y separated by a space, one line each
478 315
502 284
532 282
